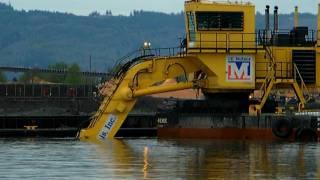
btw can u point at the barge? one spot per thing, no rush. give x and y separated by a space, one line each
61 110
195 119
137 125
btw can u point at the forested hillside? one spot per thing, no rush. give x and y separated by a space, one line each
39 38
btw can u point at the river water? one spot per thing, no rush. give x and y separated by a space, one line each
155 158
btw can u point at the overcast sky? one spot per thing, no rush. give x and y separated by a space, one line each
124 7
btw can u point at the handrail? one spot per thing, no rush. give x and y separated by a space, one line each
227 2
266 81
255 40
270 54
147 52
105 104
270 71
282 70
100 112
303 86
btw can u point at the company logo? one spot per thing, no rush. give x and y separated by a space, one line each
107 127
239 68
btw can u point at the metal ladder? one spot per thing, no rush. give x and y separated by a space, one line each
300 87
268 82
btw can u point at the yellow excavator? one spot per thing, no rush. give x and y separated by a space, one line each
224 56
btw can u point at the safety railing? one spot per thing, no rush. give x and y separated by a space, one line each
214 1
298 77
134 57
224 41
282 70
228 41
288 38
268 78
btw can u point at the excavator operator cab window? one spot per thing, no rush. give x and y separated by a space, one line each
191 26
219 21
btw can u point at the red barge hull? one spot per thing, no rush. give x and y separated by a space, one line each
270 127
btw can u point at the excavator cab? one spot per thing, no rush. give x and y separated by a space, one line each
223 37
219 27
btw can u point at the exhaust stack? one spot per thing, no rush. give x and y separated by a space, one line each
296 16
276 19
267 18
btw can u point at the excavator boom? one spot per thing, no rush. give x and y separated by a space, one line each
138 81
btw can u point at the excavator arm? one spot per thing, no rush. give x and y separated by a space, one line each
139 80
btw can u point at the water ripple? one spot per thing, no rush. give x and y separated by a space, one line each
157 159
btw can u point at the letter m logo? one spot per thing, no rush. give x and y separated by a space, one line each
239 68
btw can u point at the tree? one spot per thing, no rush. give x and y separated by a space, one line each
94 14
73 76
108 13
3 78
25 77
56 78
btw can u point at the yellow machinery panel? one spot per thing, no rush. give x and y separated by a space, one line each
228 71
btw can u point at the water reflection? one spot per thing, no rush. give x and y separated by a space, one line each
153 158
146 163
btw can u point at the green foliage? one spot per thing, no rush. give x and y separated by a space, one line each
39 38
25 77
56 78
58 66
3 78
73 76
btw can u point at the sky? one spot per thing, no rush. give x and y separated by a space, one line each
124 7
